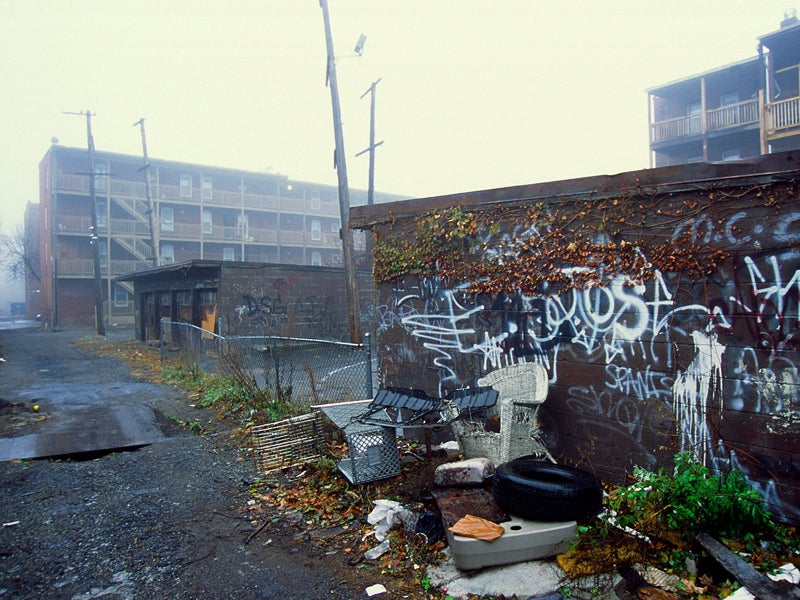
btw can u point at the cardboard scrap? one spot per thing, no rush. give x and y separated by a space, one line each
475 527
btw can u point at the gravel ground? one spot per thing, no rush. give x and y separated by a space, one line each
163 520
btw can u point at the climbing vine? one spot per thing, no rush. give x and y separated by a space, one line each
541 247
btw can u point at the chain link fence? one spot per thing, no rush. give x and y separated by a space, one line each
296 370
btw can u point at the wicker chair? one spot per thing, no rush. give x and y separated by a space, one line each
522 390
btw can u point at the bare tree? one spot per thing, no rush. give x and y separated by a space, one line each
19 255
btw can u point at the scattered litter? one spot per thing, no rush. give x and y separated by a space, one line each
11 524
376 589
386 514
377 551
430 527
452 445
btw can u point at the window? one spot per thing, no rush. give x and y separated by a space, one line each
208 221
316 229
336 258
167 218
121 297
167 254
101 213
228 254
728 99
102 251
731 154
243 227
316 259
693 111
334 227
206 187
100 176
315 200
186 186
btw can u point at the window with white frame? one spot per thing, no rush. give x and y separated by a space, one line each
316 259
167 218
243 227
207 187
336 258
334 226
186 186
208 220
121 297
228 254
167 253
315 200
316 229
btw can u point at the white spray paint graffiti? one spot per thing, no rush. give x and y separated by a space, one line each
692 391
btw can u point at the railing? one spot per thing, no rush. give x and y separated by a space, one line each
783 114
126 267
733 115
297 370
75 267
84 267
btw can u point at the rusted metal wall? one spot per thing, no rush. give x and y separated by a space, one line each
640 367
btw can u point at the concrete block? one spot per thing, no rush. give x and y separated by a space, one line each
473 471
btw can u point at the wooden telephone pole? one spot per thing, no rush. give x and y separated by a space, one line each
94 239
150 208
348 258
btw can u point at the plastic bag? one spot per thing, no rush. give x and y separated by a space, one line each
386 514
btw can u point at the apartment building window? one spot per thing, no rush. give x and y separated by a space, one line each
121 297
101 176
101 213
243 227
207 187
733 154
167 253
167 218
208 221
336 258
693 111
186 186
228 254
316 229
102 251
316 259
315 200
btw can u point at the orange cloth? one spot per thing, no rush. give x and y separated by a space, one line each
478 528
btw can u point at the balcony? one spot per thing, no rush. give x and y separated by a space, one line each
84 267
718 119
782 118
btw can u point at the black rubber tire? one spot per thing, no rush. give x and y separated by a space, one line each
542 491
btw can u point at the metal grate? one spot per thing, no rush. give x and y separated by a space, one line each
287 443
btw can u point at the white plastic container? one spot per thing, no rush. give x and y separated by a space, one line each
522 540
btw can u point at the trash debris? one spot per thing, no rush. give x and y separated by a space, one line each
430 527
376 589
475 527
11 524
377 551
386 514
787 572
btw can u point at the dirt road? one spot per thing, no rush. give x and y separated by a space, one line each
160 521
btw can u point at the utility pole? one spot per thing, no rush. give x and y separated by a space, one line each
150 209
372 144
348 257
94 238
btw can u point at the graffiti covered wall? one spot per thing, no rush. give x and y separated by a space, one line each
666 314
288 300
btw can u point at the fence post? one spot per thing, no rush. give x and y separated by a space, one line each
368 374
161 338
